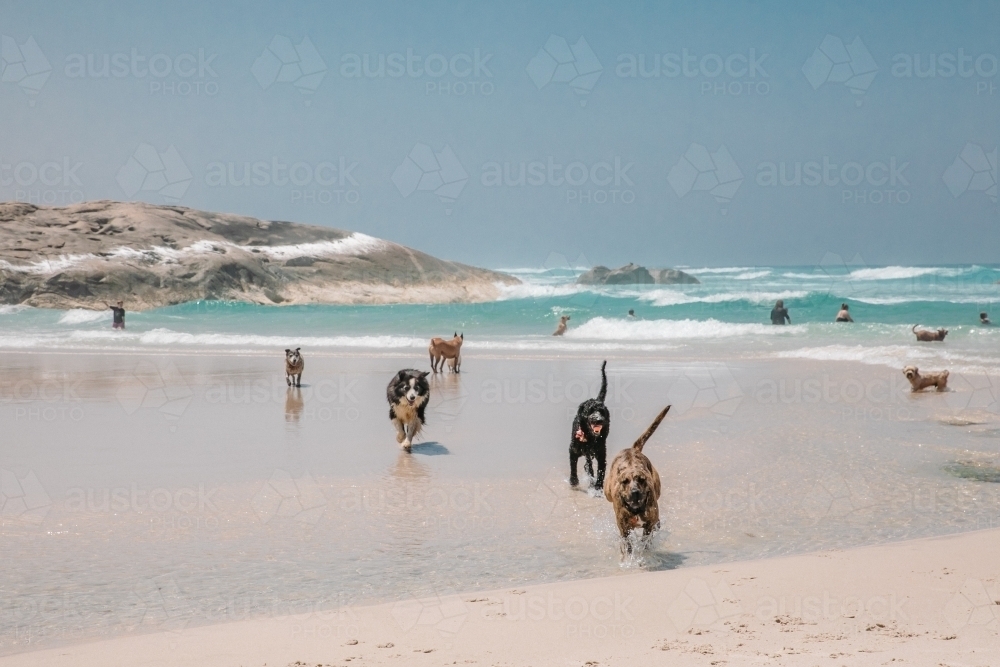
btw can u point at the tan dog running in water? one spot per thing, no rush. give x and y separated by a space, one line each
633 488
442 350
920 382
561 329
929 336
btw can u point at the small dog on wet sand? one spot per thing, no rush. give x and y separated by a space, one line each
561 329
633 488
442 350
590 435
920 382
408 393
929 336
294 365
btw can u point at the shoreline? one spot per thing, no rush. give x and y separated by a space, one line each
926 601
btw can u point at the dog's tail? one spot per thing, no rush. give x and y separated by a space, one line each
914 329
649 431
604 383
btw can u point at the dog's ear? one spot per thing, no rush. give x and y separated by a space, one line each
424 374
462 336
287 350
298 349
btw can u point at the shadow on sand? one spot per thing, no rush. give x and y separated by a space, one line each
430 449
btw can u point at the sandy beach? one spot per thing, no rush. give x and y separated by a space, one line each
925 602
185 507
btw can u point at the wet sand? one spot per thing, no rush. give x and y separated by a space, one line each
928 602
154 493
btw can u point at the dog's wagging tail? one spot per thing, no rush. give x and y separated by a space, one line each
641 442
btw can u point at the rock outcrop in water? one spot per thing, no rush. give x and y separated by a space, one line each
633 274
150 256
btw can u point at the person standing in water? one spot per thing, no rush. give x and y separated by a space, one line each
631 313
844 315
119 315
779 313
984 319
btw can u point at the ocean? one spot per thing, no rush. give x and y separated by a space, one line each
726 315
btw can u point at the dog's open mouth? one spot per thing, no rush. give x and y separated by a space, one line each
597 428
635 506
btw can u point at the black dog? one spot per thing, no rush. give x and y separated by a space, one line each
590 435
408 393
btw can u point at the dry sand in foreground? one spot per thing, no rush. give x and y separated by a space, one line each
924 602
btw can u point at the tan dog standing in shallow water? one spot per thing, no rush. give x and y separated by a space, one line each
561 329
920 382
442 350
929 336
633 487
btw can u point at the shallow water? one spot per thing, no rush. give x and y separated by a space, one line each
151 491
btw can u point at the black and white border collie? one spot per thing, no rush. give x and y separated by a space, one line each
408 393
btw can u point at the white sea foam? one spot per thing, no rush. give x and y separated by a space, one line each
539 290
728 269
666 297
904 272
352 245
897 356
751 275
614 329
81 316
12 309
895 300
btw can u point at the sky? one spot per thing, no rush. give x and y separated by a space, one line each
511 134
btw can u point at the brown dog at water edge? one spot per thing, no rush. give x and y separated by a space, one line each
633 488
920 382
929 336
442 350
561 329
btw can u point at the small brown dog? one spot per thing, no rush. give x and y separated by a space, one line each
561 329
920 382
442 350
294 365
929 336
633 488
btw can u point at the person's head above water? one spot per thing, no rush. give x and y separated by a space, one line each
631 312
120 304
844 306
779 304
983 316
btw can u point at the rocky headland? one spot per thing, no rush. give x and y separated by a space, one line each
151 256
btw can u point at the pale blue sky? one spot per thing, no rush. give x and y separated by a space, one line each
524 105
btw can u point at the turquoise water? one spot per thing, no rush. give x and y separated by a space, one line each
726 316
949 296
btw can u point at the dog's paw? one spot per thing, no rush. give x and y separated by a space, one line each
407 445
400 437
